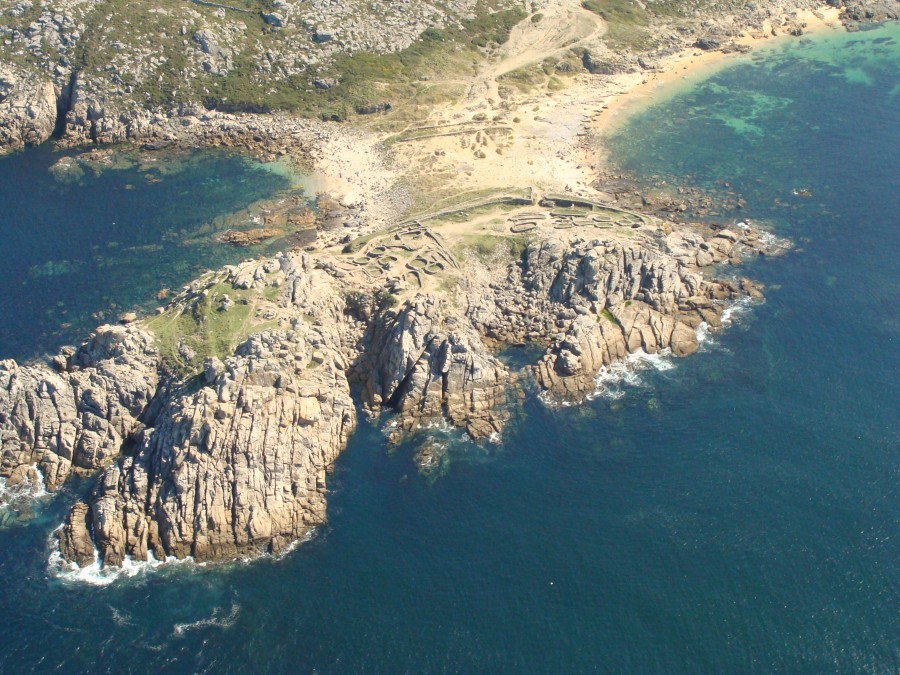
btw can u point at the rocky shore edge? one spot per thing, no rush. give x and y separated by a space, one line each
233 461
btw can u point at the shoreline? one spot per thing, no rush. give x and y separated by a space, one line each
405 318
691 65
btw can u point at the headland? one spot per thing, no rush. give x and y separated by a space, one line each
470 215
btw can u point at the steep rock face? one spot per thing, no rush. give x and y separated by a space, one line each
237 467
628 298
77 414
594 302
429 365
27 109
234 462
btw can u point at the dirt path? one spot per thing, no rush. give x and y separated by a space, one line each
532 135
564 25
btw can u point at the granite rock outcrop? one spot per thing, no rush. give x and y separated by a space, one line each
75 414
27 108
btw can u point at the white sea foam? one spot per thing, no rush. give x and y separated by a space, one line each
440 424
30 487
703 334
309 535
216 619
736 310
612 381
96 574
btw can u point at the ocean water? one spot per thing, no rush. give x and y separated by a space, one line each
81 247
736 511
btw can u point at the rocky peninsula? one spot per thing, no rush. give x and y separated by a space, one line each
468 219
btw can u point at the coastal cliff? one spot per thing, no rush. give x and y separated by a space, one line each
74 414
212 437
27 108
232 459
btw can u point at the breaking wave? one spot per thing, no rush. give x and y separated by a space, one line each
96 574
216 620
30 487
613 381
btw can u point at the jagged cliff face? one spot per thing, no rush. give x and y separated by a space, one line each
598 301
429 363
234 461
76 414
27 108
238 466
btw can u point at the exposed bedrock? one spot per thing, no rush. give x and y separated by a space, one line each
75 413
429 363
234 464
27 108
234 461
235 468
596 301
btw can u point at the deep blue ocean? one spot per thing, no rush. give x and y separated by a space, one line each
82 246
736 511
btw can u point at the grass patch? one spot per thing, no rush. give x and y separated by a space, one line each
206 329
489 246
618 11
606 314
365 79
358 243
627 22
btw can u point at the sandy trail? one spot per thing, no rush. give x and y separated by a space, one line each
564 25
551 140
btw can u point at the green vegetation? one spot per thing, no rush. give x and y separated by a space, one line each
149 52
385 299
606 314
365 80
488 246
358 243
627 22
618 11
206 329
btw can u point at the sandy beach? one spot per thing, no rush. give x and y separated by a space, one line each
494 139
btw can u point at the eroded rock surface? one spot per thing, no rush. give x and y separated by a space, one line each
27 108
232 460
429 364
598 301
236 466
75 414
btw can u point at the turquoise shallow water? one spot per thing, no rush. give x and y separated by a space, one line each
736 511
82 247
